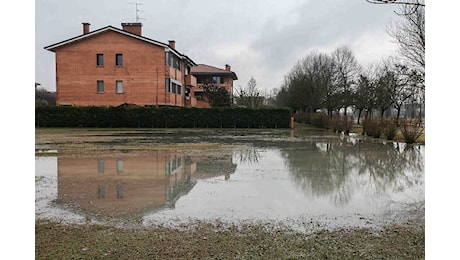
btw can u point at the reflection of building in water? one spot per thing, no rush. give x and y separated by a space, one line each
123 186
208 167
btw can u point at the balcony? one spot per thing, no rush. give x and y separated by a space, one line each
190 80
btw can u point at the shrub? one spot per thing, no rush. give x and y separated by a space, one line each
335 123
341 124
411 130
135 116
372 127
303 118
389 129
319 120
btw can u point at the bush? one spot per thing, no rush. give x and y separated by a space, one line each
176 117
372 127
303 118
320 120
389 128
335 123
411 130
341 124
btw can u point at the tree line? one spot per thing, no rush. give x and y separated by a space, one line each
336 83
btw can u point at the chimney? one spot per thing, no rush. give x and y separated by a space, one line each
228 67
135 28
85 28
172 44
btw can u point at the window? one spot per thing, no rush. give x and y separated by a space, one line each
100 86
101 192
210 79
120 166
217 80
168 85
176 64
172 86
119 86
172 60
120 192
101 166
173 165
119 59
100 59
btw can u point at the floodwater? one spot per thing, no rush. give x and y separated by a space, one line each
303 180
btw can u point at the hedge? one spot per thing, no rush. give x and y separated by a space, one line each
153 117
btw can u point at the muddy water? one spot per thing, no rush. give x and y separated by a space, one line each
303 180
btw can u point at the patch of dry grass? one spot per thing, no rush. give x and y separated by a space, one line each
211 241
358 129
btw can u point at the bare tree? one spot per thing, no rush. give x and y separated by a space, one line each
249 96
44 98
299 91
270 97
409 33
217 96
311 85
346 71
407 2
323 68
385 81
364 95
404 89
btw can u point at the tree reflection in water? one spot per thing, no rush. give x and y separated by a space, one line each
250 156
340 169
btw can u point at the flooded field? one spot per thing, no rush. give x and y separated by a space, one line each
304 179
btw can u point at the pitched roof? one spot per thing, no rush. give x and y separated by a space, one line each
54 47
202 69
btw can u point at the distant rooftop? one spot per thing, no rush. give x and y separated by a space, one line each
202 69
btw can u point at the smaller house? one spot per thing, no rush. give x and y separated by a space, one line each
211 76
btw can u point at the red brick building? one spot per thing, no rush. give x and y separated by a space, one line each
112 66
208 75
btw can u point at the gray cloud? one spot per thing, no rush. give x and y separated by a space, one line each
318 23
260 38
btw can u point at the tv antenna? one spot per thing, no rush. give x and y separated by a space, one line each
137 11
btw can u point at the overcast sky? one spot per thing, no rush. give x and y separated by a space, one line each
259 38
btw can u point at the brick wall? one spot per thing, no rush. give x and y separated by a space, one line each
143 73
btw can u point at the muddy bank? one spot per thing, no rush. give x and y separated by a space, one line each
214 241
